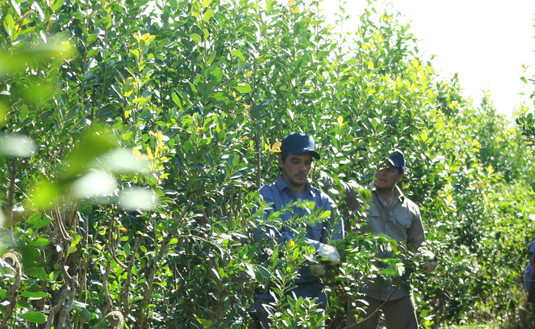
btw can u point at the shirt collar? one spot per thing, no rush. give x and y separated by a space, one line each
282 185
399 193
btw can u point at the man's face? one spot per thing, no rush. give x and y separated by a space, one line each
386 176
296 168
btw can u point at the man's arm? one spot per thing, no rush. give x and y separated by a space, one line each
334 226
416 239
332 229
416 233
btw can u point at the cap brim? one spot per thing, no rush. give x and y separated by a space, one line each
301 151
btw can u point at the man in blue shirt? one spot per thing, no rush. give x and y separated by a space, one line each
295 163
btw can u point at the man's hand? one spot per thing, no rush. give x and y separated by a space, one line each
317 269
430 261
329 254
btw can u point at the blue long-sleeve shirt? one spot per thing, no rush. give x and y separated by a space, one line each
278 195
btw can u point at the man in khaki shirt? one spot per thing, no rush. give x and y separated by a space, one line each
391 213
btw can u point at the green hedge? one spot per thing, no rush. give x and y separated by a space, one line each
136 135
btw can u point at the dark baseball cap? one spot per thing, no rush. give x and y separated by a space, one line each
397 159
297 143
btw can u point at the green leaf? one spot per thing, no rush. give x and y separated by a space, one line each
79 307
37 221
204 322
72 250
77 238
193 87
126 135
34 317
57 5
208 15
269 5
176 100
244 88
10 22
211 58
263 58
39 242
91 37
37 272
261 272
395 269
324 215
34 294
195 37
238 54
196 8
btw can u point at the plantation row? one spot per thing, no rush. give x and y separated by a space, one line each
137 133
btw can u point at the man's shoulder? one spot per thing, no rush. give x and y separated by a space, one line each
408 200
267 186
317 193
316 189
269 189
410 205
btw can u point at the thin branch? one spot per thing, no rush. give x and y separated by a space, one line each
126 308
140 321
13 288
107 296
65 311
117 320
11 198
55 310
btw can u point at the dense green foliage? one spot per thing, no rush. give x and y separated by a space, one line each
137 134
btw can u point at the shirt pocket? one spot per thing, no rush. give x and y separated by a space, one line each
375 222
404 219
398 227
374 213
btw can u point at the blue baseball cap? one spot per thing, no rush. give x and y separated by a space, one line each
397 159
297 143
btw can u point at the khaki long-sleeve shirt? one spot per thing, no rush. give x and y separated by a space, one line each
403 223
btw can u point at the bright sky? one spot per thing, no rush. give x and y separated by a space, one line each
485 41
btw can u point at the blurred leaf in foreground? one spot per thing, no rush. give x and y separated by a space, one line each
96 184
95 142
122 161
17 145
23 55
2 218
137 198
